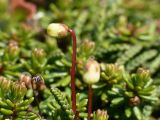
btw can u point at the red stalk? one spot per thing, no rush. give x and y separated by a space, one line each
89 101
29 7
73 72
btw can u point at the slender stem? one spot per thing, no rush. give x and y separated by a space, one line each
89 101
73 71
35 97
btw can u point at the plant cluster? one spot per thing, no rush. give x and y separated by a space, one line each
117 60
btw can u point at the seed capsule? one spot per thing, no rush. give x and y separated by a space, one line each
92 72
57 30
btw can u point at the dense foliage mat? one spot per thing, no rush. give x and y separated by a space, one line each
117 45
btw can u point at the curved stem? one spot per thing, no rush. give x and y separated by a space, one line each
73 71
89 101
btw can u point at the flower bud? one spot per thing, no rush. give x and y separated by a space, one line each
101 115
143 72
4 84
13 49
26 78
57 30
22 89
143 76
38 53
87 46
18 90
134 101
92 72
39 59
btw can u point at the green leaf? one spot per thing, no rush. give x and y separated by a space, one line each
6 111
128 112
150 98
137 113
118 100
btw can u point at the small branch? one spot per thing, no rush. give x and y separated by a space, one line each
89 101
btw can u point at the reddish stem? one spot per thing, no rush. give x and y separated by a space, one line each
89 101
73 72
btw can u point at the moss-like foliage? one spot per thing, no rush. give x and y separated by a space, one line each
12 102
121 35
